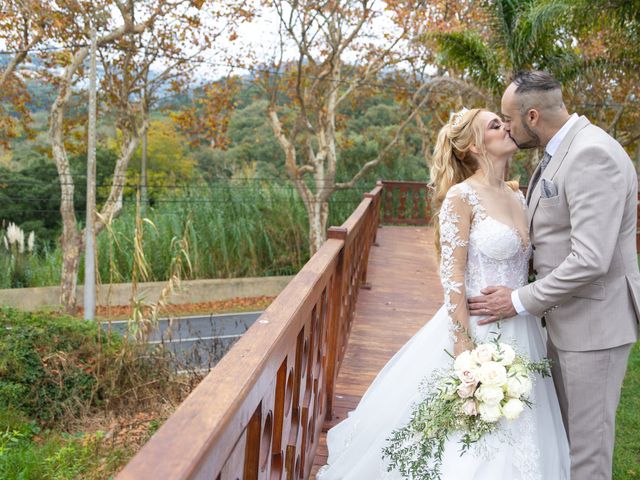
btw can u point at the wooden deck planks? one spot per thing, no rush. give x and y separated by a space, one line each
405 293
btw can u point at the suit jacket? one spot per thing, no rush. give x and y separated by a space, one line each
584 240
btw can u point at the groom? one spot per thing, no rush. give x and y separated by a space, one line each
582 203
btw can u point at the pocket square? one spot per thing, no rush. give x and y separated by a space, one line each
548 189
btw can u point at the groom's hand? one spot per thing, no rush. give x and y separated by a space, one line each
495 304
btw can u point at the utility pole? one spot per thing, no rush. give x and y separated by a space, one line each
143 163
89 256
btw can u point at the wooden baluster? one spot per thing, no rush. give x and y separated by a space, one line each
368 235
388 205
377 208
252 447
281 407
428 199
292 460
335 320
402 209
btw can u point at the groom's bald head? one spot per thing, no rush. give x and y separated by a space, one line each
533 108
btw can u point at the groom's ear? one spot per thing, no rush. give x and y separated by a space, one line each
533 117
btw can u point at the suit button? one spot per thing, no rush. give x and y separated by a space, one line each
535 272
533 247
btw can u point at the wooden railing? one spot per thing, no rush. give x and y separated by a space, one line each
406 203
259 412
409 203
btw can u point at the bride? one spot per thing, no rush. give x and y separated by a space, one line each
482 239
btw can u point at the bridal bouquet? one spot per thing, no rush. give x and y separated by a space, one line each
484 385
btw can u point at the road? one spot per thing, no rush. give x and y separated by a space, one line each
197 342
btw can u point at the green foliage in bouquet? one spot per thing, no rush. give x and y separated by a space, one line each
481 387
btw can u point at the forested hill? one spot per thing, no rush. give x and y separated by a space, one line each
31 197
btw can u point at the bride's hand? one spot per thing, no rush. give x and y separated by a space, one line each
462 345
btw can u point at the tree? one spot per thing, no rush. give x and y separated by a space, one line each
516 36
182 53
24 25
208 117
594 56
119 26
306 93
510 36
607 91
168 152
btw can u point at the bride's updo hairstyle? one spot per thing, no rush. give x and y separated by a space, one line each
452 161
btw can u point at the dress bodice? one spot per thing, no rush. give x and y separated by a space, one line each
476 249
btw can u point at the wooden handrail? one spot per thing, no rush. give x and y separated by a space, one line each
409 203
259 412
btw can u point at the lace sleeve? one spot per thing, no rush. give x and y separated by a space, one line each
455 223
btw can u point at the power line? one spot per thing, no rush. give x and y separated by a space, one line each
274 184
80 210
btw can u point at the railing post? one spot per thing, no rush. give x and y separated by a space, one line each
336 318
378 210
387 202
371 229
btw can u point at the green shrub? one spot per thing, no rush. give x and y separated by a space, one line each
56 371
48 364
28 453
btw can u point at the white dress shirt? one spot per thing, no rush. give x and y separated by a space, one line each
551 149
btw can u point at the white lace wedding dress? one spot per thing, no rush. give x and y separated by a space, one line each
477 251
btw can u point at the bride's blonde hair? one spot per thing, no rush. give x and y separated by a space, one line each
453 162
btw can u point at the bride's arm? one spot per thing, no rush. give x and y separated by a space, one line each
455 223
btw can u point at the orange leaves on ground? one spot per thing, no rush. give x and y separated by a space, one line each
245 304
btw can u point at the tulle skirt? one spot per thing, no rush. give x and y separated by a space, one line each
534 446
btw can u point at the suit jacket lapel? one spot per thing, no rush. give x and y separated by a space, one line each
554 165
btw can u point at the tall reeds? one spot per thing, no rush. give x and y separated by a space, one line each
237 228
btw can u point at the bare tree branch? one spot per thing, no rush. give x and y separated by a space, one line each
425 88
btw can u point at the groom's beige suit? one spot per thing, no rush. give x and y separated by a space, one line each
583 231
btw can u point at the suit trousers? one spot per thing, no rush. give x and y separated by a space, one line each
588 385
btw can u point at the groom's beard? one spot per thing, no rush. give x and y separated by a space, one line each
532 142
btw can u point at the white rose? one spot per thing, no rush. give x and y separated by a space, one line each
464 362
512 409
484 352
466 390
492 373
468 377
489 413
518 385
489 394
470 408
506 354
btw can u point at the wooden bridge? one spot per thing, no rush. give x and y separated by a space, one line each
263 411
